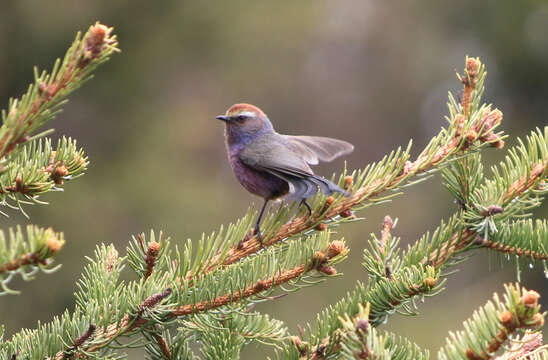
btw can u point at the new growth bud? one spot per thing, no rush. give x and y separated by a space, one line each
348 182
530 298
53 243
335 248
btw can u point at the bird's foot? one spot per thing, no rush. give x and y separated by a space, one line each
303 202
257 232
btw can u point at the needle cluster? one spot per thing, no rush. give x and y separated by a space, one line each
195 299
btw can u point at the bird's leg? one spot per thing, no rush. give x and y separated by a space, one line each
303 202
257 229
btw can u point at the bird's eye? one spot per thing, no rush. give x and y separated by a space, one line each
241 117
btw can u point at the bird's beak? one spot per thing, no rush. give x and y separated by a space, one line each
223 118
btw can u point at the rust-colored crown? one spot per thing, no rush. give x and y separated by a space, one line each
239 108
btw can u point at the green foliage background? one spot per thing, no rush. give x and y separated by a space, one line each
372 73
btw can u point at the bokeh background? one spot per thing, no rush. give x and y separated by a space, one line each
375 73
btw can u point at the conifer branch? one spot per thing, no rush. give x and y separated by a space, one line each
24 255
42 100
321 262
384 296
484 336
38 168
359 340
514 190
523 238
163 345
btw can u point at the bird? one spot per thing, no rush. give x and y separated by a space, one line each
276 166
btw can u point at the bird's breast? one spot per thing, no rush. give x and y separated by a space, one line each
257 182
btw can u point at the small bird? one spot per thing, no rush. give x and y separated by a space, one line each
275 166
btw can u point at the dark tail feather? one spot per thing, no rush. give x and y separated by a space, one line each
303 188
327 186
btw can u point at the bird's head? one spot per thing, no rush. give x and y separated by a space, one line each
245 120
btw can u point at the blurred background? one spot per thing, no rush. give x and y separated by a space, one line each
370 72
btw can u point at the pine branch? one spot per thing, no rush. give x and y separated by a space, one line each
517 185
31 170
361 341
42 100
516 189
493 324
523 238
101 294
25 255
236 330
163 346
38 168
384 296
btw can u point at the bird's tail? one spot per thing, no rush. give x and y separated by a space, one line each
327 186
303 188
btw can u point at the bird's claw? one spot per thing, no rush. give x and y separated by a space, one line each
303 202
257 232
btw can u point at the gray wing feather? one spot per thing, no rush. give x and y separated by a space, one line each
317 148
279 155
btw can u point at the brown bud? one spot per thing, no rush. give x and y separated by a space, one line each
153 248
530 298
82 339
58 174
95 42
506 318
61 171
348 181
335 248
346 213
319 257
499 144
490 120
18 182
321 227
471 355
328 270
430 282
328 202
492 210
471 136
154 299
299 345
260 285
97 35
472 66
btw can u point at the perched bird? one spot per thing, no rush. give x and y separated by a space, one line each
275 166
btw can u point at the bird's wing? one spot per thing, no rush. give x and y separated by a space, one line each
316 148
272 154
